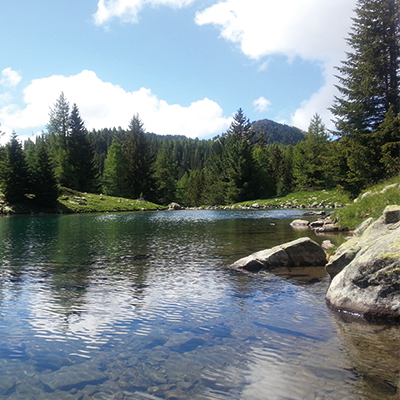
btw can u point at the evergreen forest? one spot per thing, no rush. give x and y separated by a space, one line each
249 161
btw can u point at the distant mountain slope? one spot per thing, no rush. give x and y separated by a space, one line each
274 132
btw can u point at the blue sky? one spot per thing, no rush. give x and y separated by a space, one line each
185 66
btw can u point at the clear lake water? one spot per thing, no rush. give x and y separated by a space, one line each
145 306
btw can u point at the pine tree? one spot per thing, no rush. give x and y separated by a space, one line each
241 126
115 177
166 170
369 87
140 160
281 169
43 180
195 188
14 173
80 154
389 134
57 129
216 181
310 157
265 186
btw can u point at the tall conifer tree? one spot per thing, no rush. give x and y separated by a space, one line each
369 88
310 157
80 154
57 128
14 173
115 177
140 160
43 180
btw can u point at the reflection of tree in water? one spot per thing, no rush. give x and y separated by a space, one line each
374 352
23 238
90 266
78 266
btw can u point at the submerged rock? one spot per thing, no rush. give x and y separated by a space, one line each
75 376
366 270
7 382
302 252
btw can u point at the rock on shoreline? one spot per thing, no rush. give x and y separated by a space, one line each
366 270
302 252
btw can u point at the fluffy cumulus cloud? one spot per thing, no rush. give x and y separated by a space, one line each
309 29
9 78
103 104
261 104
128 10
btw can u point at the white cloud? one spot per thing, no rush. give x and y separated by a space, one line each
310 29
128 10
9 78
319 102
103 105
261 104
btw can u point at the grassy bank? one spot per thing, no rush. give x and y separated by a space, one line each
370 203
349 213
71 201
320 198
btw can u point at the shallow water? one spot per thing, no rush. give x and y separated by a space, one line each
142 305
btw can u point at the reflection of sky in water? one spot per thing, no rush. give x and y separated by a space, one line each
146 300
171 296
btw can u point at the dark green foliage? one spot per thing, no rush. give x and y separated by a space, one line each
43 180
265 184
388 137
115 177
57 132
231 170
241 127
196 187
369 88
269 132
281 168
140 160
14 174
80 155
166 170
311 166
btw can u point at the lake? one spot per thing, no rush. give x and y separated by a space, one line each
144 306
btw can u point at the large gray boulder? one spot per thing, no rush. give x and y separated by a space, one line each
302 252
366 270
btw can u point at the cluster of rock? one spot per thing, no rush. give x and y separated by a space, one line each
321 225
258 206
365 270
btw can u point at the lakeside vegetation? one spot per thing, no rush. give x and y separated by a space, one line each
349 213
304 199
370 203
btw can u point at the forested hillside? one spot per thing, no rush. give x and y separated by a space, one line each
270 132
250 161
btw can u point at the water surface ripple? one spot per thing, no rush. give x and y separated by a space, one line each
143 306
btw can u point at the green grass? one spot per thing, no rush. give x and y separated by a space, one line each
371 205
72 201
328 197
